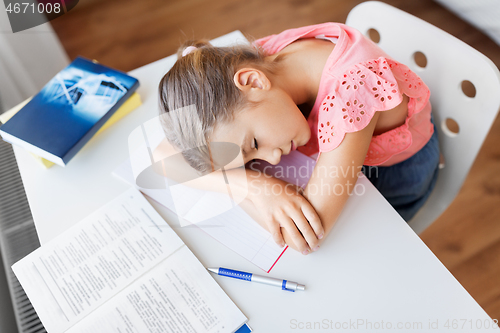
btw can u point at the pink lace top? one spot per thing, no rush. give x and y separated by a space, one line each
359 79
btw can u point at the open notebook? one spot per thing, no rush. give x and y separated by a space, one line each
233 228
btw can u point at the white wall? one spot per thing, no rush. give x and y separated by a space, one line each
28 60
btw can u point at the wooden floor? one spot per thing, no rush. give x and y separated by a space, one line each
126 34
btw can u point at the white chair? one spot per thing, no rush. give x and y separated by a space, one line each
451 69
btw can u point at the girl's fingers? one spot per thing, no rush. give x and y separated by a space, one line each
296 236
305 228
275 230
314 220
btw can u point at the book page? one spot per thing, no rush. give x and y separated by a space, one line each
78 271
179 295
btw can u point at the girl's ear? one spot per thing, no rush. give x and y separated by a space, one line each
247 78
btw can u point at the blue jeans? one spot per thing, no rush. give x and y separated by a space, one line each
408 184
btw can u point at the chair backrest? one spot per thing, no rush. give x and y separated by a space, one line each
464 85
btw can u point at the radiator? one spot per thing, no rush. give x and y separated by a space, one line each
18 237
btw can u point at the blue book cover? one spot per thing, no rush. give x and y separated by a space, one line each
69 110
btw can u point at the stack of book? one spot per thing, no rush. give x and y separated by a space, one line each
79 102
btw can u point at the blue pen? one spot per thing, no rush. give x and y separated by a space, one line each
284 284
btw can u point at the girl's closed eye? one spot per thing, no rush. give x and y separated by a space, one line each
255 145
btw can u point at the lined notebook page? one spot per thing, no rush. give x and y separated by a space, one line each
234 227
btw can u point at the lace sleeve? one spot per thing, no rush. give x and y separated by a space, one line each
368 87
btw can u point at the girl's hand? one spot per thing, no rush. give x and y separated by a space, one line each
280 206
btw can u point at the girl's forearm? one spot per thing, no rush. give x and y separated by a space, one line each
329 196
238 180
336 174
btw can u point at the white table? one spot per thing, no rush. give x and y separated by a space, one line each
372 273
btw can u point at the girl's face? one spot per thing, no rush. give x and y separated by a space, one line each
273 128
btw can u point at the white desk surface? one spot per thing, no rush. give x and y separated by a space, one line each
373 273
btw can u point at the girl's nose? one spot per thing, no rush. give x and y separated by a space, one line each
274 156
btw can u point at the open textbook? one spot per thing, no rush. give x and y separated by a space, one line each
123 269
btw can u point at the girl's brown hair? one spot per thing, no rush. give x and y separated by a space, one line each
203 80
